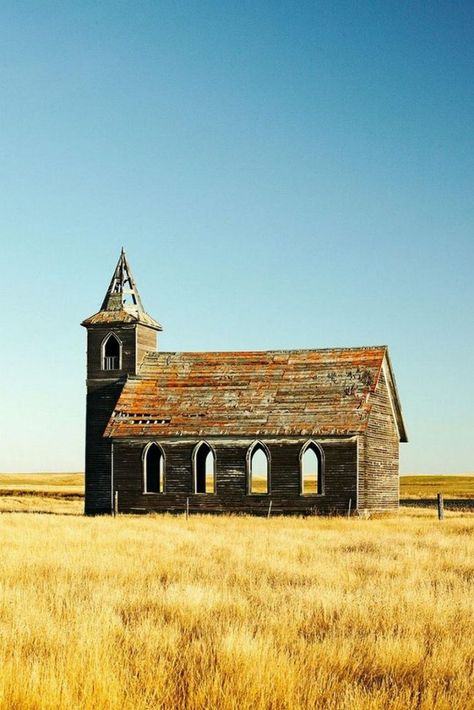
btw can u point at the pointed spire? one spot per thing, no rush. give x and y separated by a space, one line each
122 302
122 294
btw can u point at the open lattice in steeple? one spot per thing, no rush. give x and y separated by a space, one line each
122 302
122 293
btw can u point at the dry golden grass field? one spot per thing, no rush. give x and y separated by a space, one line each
42 492
232 612
429 486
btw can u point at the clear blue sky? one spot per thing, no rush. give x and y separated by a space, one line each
281 174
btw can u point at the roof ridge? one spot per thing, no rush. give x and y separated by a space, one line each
279 351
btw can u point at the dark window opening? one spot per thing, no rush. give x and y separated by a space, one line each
154 469
311 470
111 354
258 472
204 469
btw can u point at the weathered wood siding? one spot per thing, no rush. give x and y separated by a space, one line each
101 399
136 341
95 338
146 342
379 455
340 478
103 390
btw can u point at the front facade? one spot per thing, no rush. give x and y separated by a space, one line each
287 431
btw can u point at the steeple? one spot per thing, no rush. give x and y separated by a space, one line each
119 337
122 288
122 302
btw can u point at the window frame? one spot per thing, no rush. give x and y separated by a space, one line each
255 445
194 469
319 451
146 448
105 340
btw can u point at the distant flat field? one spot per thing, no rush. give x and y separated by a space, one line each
62 483
429 486
60 493
64 492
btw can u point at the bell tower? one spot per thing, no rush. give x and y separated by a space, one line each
118 338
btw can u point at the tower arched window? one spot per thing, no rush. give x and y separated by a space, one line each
258 468
111 353
311 469
204 468
153 469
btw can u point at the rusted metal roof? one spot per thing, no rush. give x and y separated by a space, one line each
282 392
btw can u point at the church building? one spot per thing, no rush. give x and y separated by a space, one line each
280 431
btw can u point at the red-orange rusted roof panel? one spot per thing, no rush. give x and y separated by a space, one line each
292 392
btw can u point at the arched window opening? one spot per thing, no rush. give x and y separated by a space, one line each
311 469
111 353
204 469
258 469
153 469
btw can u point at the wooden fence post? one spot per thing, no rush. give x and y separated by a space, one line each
115 503
187 508
349 508
269 510
440 507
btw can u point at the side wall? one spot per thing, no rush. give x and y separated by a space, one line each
379 455
340 480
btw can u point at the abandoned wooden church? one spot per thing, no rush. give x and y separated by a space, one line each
309 431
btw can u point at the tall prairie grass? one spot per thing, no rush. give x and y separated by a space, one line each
236 613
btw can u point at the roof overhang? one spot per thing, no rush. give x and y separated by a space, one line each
120 317
394 399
